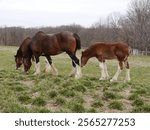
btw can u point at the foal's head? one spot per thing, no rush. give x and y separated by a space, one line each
84 59
18 59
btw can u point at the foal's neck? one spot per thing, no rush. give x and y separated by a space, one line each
89 53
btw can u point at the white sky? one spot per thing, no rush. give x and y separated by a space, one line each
34 13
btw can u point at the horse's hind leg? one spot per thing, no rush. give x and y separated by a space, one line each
37 65
119 68
127 70
74 69
49 66
76 64
33 60
104 72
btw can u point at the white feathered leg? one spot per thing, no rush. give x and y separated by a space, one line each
37 69
78 73
54 70
106 72
127 75
115 77
103 74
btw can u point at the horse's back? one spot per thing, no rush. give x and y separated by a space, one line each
66 40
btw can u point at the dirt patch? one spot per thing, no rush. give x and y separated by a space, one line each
28 83
53 106
127 103
89 100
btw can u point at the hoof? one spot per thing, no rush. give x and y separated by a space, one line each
78 76
102 78
55 73
47 71
127 80
113 80
36 73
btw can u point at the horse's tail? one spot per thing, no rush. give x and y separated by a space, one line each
78 41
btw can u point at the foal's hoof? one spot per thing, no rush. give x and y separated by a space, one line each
102 78
54 73
127 80
36 73
113 80
78 76
47 71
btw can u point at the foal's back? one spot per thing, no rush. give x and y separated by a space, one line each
111 50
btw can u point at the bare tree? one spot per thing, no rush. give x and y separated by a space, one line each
137 24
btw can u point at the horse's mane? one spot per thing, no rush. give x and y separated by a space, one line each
38 34
24 45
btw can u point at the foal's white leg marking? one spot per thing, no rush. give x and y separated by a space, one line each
105 69
127 75
78 73
37 69
34 65
54 70
73 72
47 66
103 74
22 68
116 74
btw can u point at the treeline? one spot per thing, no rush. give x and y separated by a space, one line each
133 28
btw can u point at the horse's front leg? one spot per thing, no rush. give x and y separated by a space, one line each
119 69
49 67
77 68
104 73
103 67
37 65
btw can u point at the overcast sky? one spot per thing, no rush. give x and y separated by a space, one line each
35 13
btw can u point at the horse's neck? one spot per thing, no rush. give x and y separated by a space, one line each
19 52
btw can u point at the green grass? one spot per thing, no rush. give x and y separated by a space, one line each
24 92
116 105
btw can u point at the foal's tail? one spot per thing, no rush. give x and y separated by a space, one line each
78 41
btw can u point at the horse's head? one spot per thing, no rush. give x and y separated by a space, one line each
84 59
18 59
27 64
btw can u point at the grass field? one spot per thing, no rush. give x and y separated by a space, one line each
20 92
